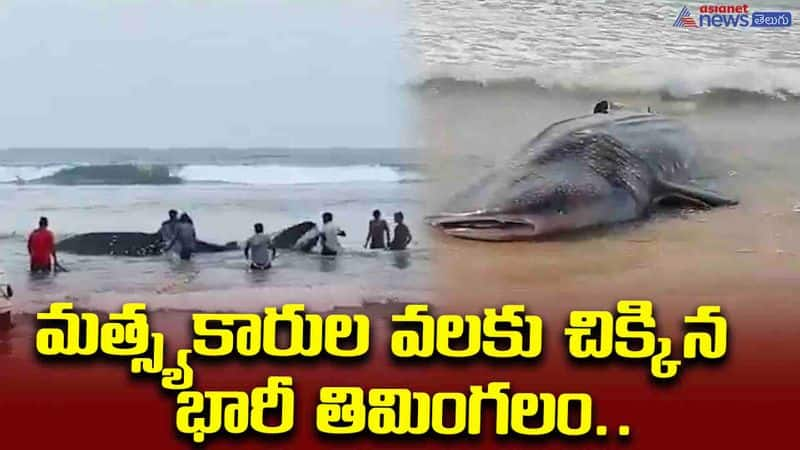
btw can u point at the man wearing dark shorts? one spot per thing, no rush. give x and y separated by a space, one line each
402 235
42 248
378 229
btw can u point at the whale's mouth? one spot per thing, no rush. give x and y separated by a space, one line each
484 227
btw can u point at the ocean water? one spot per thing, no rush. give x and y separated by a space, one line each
225 192
599 45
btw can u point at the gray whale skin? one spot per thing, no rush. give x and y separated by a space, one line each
593 170
302 237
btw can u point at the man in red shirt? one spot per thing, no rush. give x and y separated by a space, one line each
41 246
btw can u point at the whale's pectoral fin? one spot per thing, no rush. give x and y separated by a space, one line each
687 194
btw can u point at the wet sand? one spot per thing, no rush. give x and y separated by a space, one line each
746 257
677 261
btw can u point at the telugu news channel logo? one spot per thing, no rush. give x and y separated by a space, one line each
732 16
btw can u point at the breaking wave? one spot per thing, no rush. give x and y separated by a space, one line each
622 46
27 173
237 174
669 82
277 174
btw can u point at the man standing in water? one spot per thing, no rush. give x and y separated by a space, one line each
402 235
259 249
377 230
330 236
41 248
185 237
167 230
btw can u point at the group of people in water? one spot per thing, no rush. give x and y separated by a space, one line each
259 250
378 234
177 235
378 229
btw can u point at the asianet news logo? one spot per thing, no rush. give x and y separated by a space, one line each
733 16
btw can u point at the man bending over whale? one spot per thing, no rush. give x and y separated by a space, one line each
167 230
259 249
185 239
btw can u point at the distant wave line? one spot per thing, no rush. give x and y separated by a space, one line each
268 174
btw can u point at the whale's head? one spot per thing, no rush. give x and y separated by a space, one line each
525 204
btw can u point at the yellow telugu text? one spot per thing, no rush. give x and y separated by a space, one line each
290 332
631 334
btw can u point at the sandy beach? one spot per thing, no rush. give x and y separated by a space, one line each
674 257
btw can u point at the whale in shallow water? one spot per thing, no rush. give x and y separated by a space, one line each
592 170
302 236
128 244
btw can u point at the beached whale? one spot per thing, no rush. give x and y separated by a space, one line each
302 236
592 170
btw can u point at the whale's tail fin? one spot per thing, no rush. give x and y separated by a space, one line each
302 236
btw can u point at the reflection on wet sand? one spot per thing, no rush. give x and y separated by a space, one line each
401 259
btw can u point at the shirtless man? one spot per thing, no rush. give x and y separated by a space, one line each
377 230
402 235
